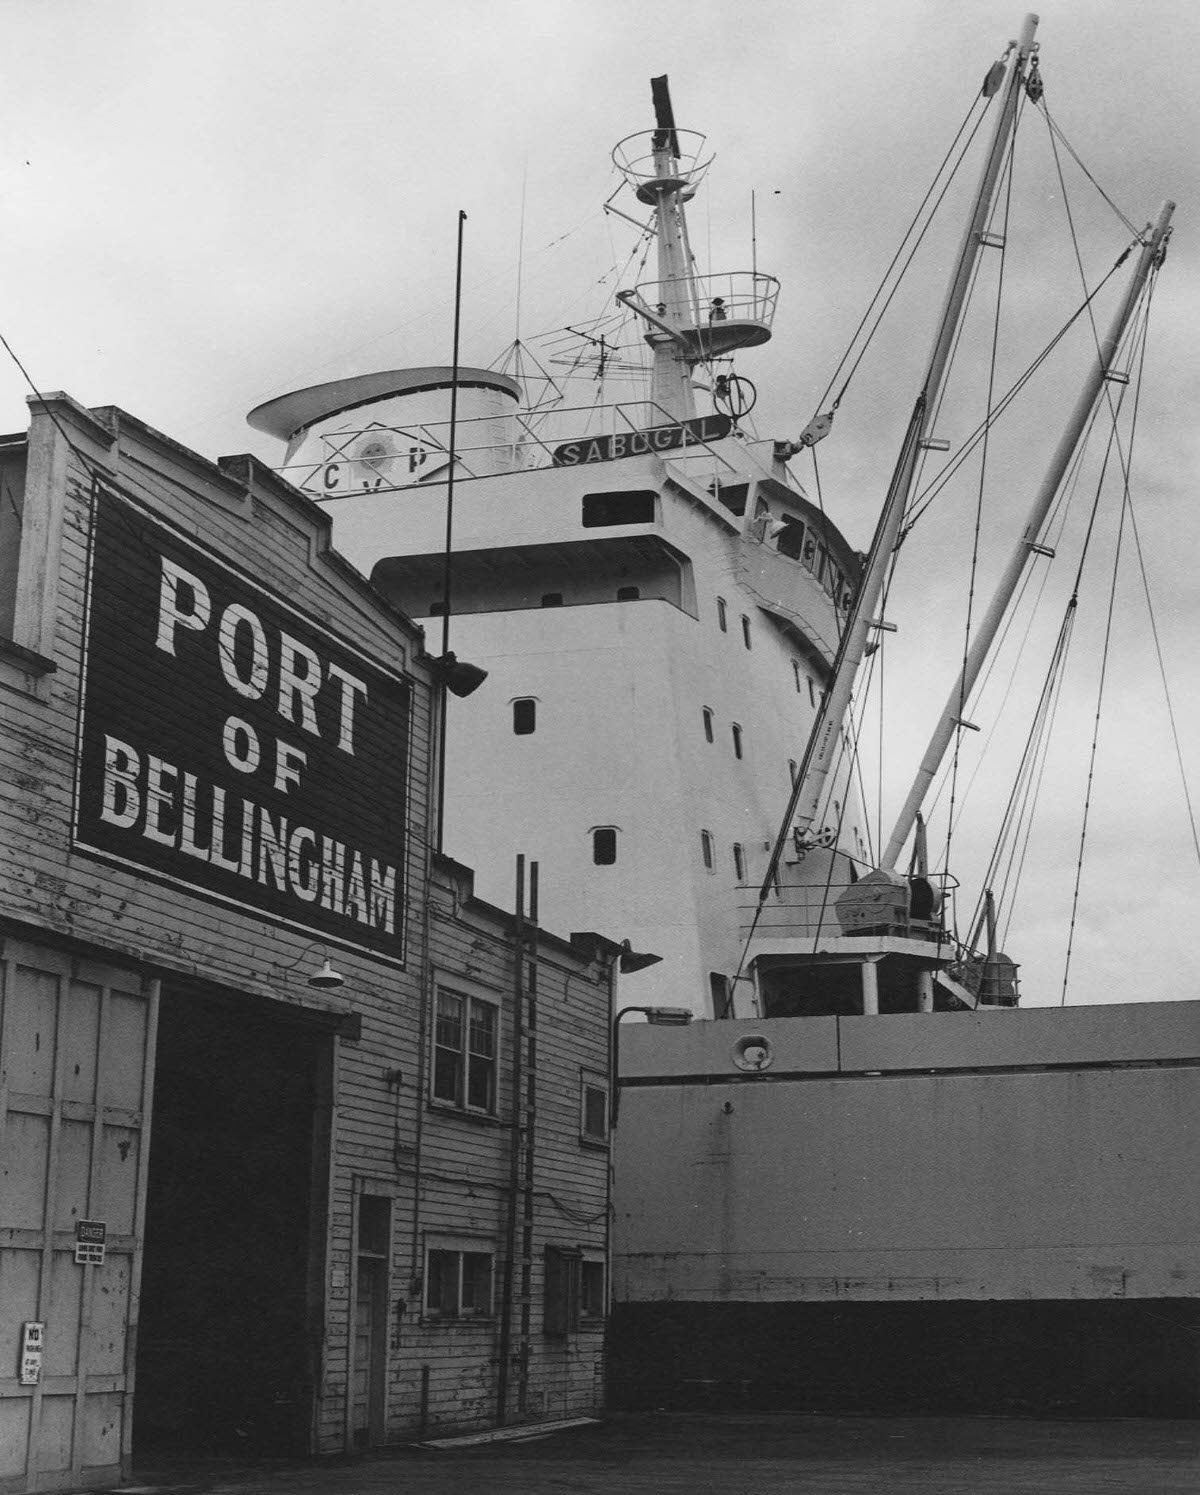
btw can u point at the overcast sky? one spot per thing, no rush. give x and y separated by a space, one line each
208 205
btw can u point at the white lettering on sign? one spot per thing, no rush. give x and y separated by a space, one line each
240 741
244 654
171 614
199 819
233 618
288 763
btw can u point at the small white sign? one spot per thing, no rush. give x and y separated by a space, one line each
32 1340
90 1237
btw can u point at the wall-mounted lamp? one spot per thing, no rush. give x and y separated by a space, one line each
631 960
324 978
459 677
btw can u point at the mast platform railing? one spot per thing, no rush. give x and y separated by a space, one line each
640 163
728 296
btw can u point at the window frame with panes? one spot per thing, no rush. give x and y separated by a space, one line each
465 1071
460 1278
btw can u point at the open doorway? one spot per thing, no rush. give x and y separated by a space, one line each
231 1304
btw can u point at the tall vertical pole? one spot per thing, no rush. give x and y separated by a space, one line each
508 1279
446 559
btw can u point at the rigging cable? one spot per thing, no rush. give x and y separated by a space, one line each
1015 871
1056 132
926 497
908 233
1126 505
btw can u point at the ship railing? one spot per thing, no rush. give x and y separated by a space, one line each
810 913
421 450
731 295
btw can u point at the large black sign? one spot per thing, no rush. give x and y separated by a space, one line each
638 443
230 744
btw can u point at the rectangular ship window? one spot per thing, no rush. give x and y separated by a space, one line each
603 509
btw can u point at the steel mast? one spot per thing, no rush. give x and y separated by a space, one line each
806 798
1153 246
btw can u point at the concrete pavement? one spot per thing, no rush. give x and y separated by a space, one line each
752 1454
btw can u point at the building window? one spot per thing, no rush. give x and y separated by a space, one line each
628 594
739 861
604 845
374 1226
706 849
722 616
737 740
436 608
593 1107
708 723
552 599
796 674
458 1283
564 1282
812 695
591 1290
524 716
745 630
465 1049
792 771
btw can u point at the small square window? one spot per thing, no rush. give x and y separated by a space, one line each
604 845
628 594
524 716
552 599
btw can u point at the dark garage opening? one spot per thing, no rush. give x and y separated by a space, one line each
230 1320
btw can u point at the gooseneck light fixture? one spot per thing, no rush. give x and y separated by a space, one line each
324 978
663 1017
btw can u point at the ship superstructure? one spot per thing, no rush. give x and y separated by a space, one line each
657 605
671 631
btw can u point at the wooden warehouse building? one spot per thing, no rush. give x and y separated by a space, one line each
304 1148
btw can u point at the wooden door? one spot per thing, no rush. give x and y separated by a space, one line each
76 1076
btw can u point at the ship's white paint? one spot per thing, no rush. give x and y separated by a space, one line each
620 689
674 637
